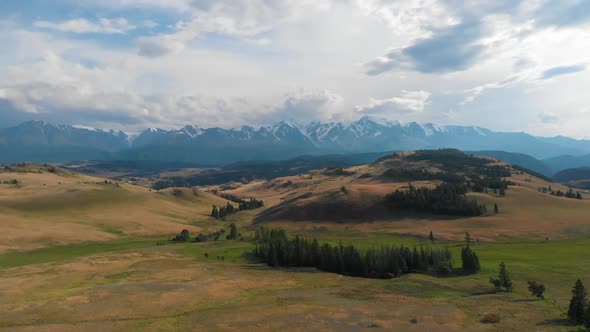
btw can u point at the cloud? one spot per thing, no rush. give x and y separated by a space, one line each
233 62
307 105
158 46
240 19
548 118
451 49
475 92
408 102
81 25
563 13
562 70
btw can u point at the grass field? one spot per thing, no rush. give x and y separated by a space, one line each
48 209
137 285
79 254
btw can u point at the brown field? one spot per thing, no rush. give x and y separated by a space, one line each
316 200
159 289
174 287
50 209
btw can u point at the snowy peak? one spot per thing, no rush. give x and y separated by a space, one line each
367 134
190 130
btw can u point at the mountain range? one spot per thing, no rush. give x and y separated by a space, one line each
40 141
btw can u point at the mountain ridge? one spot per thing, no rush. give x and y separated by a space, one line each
285 139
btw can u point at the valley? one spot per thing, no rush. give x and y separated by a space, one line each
84 252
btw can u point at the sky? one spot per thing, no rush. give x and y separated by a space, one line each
506 65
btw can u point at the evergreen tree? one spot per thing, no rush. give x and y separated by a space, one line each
215 212
431 237
578 304
467 238
276 249
184 235
504 280
469 260
233 232
446 198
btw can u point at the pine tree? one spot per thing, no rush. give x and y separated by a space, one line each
469 260
578 304
504 280
233 232
215 212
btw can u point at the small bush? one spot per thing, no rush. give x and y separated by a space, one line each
490 318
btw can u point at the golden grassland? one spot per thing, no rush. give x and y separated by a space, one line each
46 209
77 253
175 288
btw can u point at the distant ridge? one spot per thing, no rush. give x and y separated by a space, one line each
44 142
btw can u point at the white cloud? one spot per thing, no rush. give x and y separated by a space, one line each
391 108
548 117
158 46
305 106
242 19
234 62
81 25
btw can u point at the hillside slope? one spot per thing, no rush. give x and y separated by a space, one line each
43 205
353 198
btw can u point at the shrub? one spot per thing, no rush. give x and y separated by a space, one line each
537 289
491 318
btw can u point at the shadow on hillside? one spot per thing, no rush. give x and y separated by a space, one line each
484 292
556 322
524 300
306 207
294 269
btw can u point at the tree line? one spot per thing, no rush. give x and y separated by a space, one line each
243 204
446 198
185 235
568 194
274 248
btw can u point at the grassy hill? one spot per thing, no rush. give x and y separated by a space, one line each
352 198
79 253
43 206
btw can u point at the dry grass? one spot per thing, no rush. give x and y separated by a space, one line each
50 209
158 289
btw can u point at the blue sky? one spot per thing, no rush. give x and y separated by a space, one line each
131 64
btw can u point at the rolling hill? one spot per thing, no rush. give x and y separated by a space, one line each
45 206
352 198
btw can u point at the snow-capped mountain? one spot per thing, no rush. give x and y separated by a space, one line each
41 141
40 133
